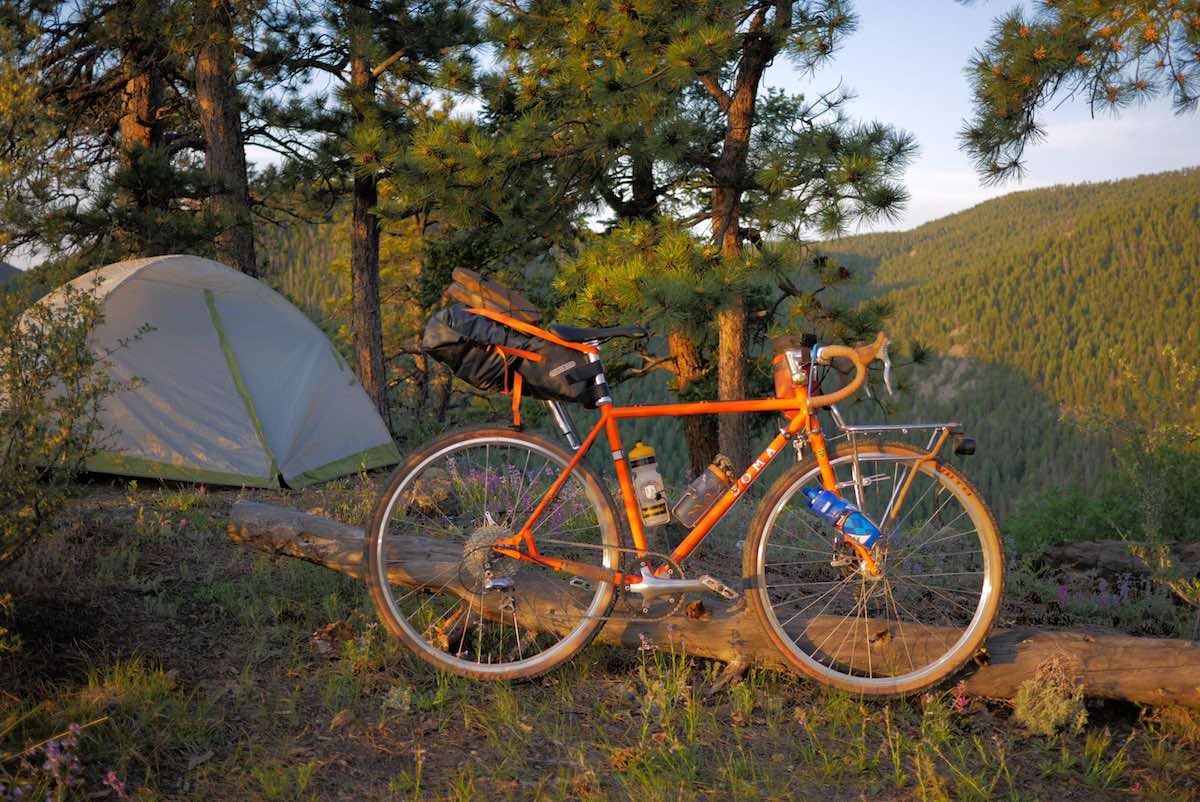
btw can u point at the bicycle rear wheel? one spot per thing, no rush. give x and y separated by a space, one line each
438 585
939 593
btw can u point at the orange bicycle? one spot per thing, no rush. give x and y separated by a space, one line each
498 553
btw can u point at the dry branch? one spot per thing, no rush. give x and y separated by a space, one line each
1114 666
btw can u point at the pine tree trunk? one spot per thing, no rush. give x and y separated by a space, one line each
732 356
220 119
139 110
140 130
366 321
732 359
643 194
728 180
699 431
443 380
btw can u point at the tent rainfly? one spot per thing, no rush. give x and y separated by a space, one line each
231 384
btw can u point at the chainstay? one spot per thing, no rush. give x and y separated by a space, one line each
670 608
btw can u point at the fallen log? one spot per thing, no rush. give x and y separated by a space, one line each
1111 665
1112 559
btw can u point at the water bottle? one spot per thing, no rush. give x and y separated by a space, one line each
648 485
844 516
704 491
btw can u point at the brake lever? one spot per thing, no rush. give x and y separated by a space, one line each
887 369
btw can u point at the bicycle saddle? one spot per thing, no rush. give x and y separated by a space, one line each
577 335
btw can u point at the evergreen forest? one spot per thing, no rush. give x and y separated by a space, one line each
1032 305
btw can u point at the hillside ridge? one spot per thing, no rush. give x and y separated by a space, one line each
1041 293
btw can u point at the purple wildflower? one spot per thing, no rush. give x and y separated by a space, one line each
1064 595
114 782
960 699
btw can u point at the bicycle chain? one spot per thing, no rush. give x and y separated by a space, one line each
671 607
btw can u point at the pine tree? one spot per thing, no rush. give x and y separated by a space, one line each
383 57
101 153
661 104
1112 54
219 108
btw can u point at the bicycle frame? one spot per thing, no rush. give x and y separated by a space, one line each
805 421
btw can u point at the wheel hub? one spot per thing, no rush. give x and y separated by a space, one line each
483 568
848 561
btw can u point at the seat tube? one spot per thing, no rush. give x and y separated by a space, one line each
624 478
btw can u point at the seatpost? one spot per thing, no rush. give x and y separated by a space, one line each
562 420
601 382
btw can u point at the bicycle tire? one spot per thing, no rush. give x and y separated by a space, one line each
848 672
378 555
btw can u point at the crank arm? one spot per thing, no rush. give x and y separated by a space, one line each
651 587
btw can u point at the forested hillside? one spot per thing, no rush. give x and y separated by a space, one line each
7 273
1028 301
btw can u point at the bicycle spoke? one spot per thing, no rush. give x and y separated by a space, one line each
899 623
469 496
902 624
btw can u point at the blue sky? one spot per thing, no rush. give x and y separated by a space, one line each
905 62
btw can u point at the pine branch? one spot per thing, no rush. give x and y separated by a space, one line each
386 64
651 363
716 92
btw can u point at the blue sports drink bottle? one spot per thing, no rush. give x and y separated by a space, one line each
844 516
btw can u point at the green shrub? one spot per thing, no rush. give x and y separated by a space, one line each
1069 514
51 388
1053 699
1154 497
1162 465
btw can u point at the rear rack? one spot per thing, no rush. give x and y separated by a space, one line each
963 445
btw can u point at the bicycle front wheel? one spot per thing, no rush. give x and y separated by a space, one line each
438 585
906 630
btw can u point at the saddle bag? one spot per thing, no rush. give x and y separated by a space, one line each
492 356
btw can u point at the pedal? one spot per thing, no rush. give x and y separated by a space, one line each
718 587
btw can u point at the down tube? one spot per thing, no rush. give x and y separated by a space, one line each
710 518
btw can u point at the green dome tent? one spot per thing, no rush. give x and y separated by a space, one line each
234 385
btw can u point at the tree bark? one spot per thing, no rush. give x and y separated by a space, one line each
141 135
699 431
140 130
1115 666
732 356
728 175
732 360
220 119
366 317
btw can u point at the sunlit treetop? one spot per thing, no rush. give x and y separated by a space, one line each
1108 54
